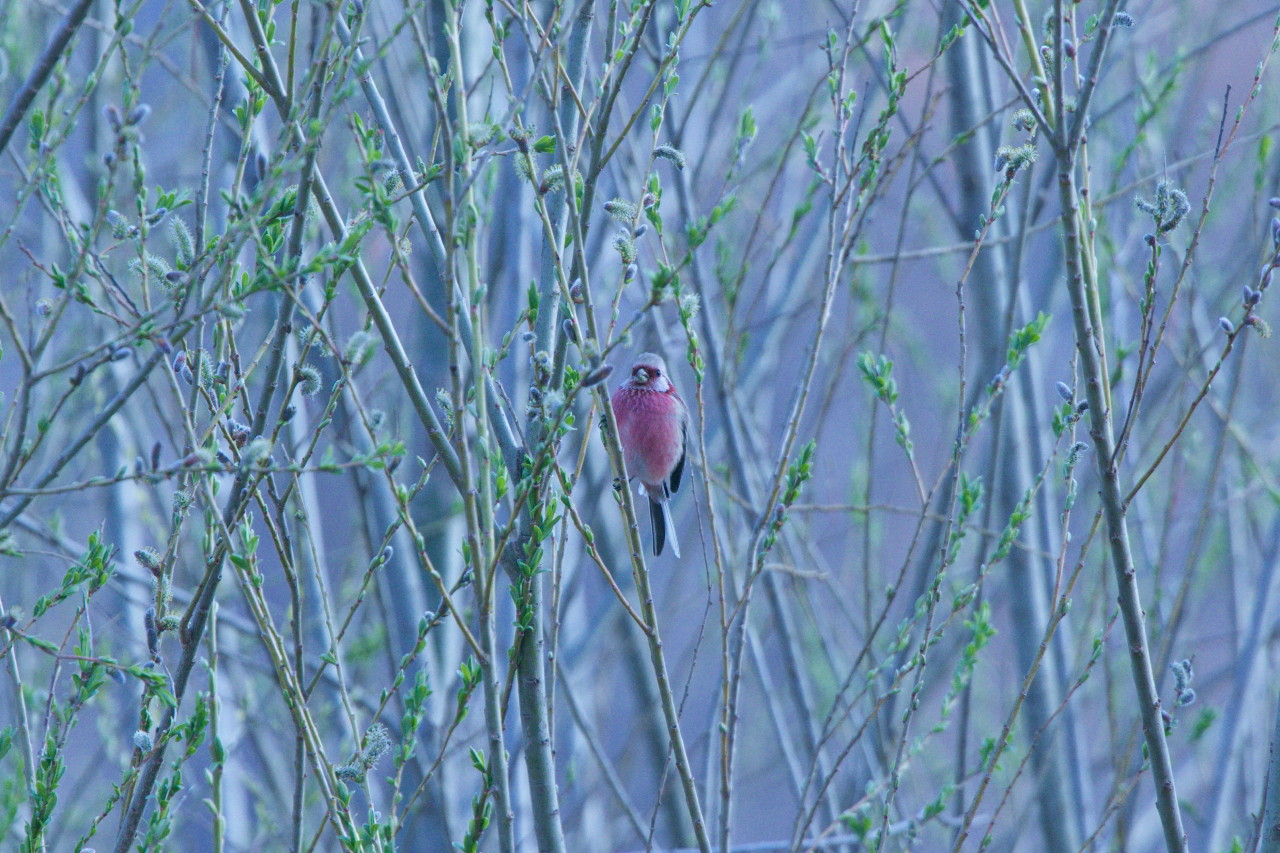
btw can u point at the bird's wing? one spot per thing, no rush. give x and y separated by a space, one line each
676 472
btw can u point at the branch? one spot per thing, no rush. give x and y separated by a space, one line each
43 68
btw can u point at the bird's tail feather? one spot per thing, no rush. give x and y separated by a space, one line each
663 527
658 522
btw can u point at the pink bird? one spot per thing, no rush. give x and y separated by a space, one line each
653 425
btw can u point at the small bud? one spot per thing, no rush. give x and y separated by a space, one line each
239 432
1168 208
260 165
1274 201
570 332
142 741
149 559
138 114
1225 325
351 774
121 353
1082 407
109 159
552 180
625 246
597 376
308 379
1024 120
153 634
112 112
1149 239
256 451
288 413
183 242
690 304
1069 48
621 209
387 553
120 227
1012 159
1179 676
1065 392
667 152
360 347
155 456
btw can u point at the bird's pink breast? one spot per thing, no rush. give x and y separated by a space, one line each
649 424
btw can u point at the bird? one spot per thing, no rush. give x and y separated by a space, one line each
653 426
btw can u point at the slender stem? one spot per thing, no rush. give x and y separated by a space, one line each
1090 345
23 98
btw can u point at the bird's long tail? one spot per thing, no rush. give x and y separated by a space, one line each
663 526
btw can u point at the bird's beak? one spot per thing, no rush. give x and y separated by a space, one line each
641 375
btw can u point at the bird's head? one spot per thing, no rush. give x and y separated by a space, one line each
650 371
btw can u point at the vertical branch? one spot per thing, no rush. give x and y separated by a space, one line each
1269 828
1090 345
23 98
640 573
1016 446
478 485
197 615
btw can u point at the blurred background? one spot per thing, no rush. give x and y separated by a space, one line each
254 253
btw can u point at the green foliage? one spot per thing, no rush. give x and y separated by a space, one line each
1022 339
